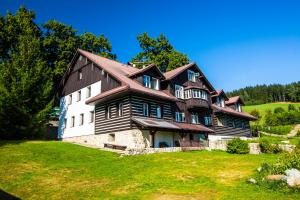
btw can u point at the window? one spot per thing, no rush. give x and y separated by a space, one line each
243 125
120 109
158 111
191 76
155 83
88 92
70 99
233 124
81 119
147 82
203 95
79 74
238 107
222 102
108 112
195 118
188 94
207 120
79 95
65 123
196 93
72 121
179 117
93 67
91 116
179 91
146 109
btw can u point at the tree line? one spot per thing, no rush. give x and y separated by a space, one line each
261 94
34 57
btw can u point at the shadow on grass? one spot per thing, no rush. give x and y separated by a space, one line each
7 196
7 142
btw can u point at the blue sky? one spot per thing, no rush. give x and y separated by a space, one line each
235 43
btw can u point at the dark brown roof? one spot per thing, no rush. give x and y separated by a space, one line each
173 73
120 72
219 92
233 100
233 112
159 123
140 71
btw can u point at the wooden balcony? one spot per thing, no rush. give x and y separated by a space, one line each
197 104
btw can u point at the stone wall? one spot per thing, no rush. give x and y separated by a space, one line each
137 151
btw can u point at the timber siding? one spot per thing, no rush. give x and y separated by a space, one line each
115 123
230 131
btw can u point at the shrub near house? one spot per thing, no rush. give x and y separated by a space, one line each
238 146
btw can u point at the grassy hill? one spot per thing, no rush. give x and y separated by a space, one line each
269 106
57 170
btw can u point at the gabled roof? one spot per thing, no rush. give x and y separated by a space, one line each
233 100
220 92
152 66
175 72
120 72
233 112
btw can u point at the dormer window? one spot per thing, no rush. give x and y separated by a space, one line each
220 102
191 76
151 82
179 91
238 107
179 117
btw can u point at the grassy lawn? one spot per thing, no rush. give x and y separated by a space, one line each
57 170
269 106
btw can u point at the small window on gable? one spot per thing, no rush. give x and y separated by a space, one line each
79 74
147 81
191 76
70 99
88 91
155 83
79 95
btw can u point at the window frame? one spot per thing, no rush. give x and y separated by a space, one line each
79 96
207 120
120 109
191 76
159 108
81 119
147 81
79 75
70 99
156 85
72 121
179 116
179 93
88 91
195 117
146 110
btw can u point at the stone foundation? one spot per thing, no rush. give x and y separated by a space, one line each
137 151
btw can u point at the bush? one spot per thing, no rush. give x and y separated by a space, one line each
278 110
267 147
287 161
237 146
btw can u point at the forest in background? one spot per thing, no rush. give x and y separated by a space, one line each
261 94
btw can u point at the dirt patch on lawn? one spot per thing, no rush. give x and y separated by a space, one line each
205 195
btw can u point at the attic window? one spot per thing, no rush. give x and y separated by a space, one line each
79 75
81 58
191 76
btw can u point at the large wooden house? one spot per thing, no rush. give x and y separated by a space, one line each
104 102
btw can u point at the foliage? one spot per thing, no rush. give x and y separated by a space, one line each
158 51
261 94
266 147
278 110
238 146
25 81
32 62
58 170
280 130
287 161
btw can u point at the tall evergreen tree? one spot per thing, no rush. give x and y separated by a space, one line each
158 51
25 79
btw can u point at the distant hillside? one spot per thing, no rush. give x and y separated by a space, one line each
262 94
270 106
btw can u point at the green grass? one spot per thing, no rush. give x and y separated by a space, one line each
280 130
57 170
278 140
269 106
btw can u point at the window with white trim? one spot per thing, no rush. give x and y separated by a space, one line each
91 116
179 117
238 107
72 121
70 99
155 83
158 111
207 120
79 95
179 91
120 109
191 76
79 74
147 81
81 119
88 91
195 118
188 94
145 109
